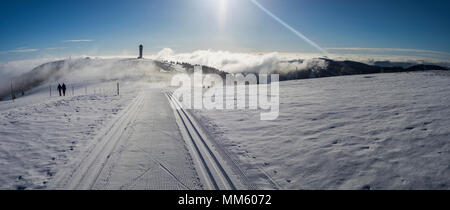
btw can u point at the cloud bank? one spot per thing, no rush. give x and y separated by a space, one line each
231 62
15 68
237 62
275 61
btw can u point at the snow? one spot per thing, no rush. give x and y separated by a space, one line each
142 149
43 138
381 131
39 134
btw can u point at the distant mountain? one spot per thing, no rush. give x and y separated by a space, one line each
52 71
341 68
393 64
206 69
423 67
408 64
115 68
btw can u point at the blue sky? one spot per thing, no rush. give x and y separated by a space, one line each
32 29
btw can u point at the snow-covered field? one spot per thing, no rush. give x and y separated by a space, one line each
39 134
381 131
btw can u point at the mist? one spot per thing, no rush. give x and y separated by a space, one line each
278 62
82 71
230 62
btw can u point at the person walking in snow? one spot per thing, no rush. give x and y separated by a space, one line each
59 89
64 89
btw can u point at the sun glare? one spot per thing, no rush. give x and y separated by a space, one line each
222 11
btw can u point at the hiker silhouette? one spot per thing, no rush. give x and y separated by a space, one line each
59 89
64 89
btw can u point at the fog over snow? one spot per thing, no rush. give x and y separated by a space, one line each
270 61
232 62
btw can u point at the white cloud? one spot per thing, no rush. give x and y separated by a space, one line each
236 62
19 51
78 40
55 48
274 61
11 69
24 50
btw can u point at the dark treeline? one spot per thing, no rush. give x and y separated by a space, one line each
342 68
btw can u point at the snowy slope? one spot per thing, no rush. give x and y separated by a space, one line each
140 149
39 134
382 131
93 138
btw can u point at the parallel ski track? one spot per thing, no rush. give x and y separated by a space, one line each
211 169
87 171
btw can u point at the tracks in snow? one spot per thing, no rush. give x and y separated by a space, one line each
85 174
210 166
